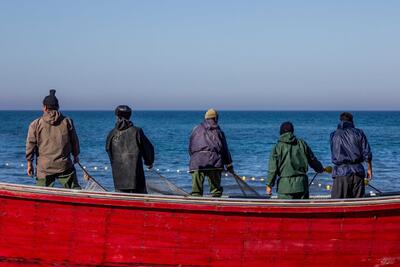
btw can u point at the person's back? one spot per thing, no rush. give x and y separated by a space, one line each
127 147
52 139
289 160
207 147
349 150
209 153
292 153
53 142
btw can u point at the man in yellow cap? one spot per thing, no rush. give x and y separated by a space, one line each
209 154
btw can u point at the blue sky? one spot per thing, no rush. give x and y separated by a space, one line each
256 55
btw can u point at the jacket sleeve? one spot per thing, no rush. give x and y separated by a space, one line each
31 142
333 155
146 148
313 161
108 145
73 139
190 148
273 167
366 149
226 155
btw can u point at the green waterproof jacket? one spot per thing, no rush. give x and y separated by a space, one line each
289 161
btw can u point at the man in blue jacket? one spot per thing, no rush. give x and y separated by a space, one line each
209 153
349 148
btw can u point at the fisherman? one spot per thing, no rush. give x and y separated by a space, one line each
52 139
349 148
209 154
127 147
289 160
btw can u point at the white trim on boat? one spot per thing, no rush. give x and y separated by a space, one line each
204 200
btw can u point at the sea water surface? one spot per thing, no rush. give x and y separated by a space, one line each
250 136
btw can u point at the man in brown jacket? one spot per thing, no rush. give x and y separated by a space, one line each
52 139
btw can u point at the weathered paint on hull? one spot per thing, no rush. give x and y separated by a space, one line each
53 227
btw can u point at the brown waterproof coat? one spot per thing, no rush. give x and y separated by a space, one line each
52 139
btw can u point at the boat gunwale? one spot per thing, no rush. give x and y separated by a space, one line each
123 199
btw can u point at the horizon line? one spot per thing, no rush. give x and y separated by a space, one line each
223 110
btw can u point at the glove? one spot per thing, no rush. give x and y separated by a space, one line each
229 168
328 169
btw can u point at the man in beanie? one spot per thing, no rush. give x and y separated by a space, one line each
209 154
127 147
289 161
52 139
349 149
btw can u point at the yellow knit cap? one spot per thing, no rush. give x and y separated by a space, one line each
211 114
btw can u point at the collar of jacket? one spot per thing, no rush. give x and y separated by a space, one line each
52 117
287 138
123 124
345 125
210 124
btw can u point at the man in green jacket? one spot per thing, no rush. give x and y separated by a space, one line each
289 160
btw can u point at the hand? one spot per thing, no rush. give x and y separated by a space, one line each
269 190
30 169
229 168
76 159
369 174
86 176
328 169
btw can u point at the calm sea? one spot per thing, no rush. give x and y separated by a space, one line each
250 135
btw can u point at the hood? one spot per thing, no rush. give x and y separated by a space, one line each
52 117
288 138
210 124
345 125
123 124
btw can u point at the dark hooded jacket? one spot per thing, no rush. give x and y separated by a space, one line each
289 161
349 148
127 147
208 148
52 139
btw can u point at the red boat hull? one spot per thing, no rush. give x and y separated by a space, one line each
47 227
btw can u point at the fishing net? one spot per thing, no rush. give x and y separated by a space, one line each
155 183
158 184
93 185
235 187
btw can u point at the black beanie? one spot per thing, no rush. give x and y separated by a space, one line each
51 101
346 116
123 111
286 127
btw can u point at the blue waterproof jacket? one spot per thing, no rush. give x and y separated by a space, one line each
208 149
349 148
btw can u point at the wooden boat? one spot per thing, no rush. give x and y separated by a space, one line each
58 227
